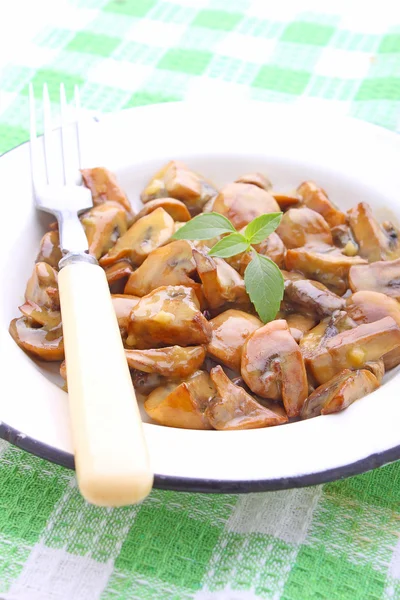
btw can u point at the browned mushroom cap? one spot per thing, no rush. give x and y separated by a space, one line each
174 362
303 226
145 383
230 329
104 187
352 349
176 180
257 179
42 287
169 265
272 247
372 239
316 198
123 305
367 307
168 315
311 298
42 343
382 276
233 408
221 283
103 225
117 275
299 325
273 367
182 404
49 249
285 201
243 202
41 315
338 322
173 207
339 392
325 264
292 275
144 236
343 238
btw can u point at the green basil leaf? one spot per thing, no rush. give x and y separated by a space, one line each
264 284
261 227
204 227
232 244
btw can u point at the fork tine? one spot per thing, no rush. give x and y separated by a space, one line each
68 178
77 123
47 132
33 138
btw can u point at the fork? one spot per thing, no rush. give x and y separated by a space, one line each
111 457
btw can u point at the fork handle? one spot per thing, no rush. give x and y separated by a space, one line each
111 458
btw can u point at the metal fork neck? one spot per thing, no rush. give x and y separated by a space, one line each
72 258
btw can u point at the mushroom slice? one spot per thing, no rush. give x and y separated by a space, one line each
145 383
42 343
371 238
323 263
338 322
343 238
353 348
176 180
103 225
182 404
221 283
118 273
285 201
367 307
104 187
316 198
230 330
272 247
43 316
174 362
243 202
169 265
272 366
144 236
173 207
311 298
339 392
382 276
299 325
168 315
49 249
275 407
257 179
123 305
233 408
42 287
377 367
303 226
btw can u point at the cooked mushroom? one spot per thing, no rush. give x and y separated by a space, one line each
123 305
257 179
117 275
49 249
316 198
103 225
371 238
382 276
343 238
43 316
285 201
221 283
144 236
274 406
145 383
272 366
377 367
339 392
311 298
176 180
303 226
338 322
42 287
230 330
172 264
243 202
173 207
174 362
168 315
325 264
233 408
63 370
353 348
104 187
299 325
182 404
42 343
272 247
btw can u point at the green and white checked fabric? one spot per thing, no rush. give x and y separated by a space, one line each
336 542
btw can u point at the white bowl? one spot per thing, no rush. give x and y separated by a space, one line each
352 160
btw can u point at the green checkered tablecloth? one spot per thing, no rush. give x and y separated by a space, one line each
338 541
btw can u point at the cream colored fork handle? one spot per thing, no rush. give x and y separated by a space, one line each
111 458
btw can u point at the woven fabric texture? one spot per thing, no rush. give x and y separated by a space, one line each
338 541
